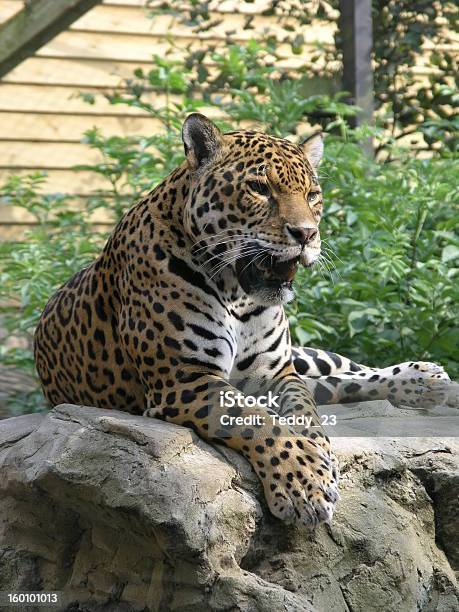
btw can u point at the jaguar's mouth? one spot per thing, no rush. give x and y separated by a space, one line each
268 275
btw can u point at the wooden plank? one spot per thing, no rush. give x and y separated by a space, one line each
19 231
12 232
138 3
75 73
53 127
46 155
65 181
224 6
8 8
227 6
32 27
16 97
132 48
36 99
254 7
131 20
128 48
83 183
11 215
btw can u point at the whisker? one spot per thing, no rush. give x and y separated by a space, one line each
225 231
235 252
329 249
328 259
230 258
253 260
329 254
223 234
222 265
215 244
324 263
237 249
227 262
320 268
225 240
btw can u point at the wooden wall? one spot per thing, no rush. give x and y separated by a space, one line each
42 118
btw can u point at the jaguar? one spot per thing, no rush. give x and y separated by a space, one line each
186 302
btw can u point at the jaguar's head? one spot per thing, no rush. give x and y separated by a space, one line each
254 206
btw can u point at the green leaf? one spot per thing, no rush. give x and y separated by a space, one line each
449 253
357 321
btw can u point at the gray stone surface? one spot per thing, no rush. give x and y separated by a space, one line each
124 513
380 418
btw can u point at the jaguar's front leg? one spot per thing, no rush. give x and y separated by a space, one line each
333 379
298 407
297 472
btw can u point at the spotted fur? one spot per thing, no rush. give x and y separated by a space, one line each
186 299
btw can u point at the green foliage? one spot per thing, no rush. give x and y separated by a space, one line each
130 165
407 34
238 67
401 29
63 241
287 107
391 232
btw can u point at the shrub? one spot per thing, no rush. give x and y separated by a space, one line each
391 232
31 268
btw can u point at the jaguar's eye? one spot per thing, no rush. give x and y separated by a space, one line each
259 187
313 196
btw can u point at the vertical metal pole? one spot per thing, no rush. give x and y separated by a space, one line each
356 30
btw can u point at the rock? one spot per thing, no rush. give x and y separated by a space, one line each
124 513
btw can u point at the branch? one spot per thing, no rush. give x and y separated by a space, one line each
35 25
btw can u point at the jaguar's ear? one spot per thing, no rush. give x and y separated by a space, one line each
313 148
202 140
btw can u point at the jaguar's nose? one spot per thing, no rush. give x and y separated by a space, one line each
301 234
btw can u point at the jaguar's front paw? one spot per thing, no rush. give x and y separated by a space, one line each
419 384
300 479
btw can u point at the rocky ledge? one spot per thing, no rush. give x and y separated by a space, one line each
124 513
